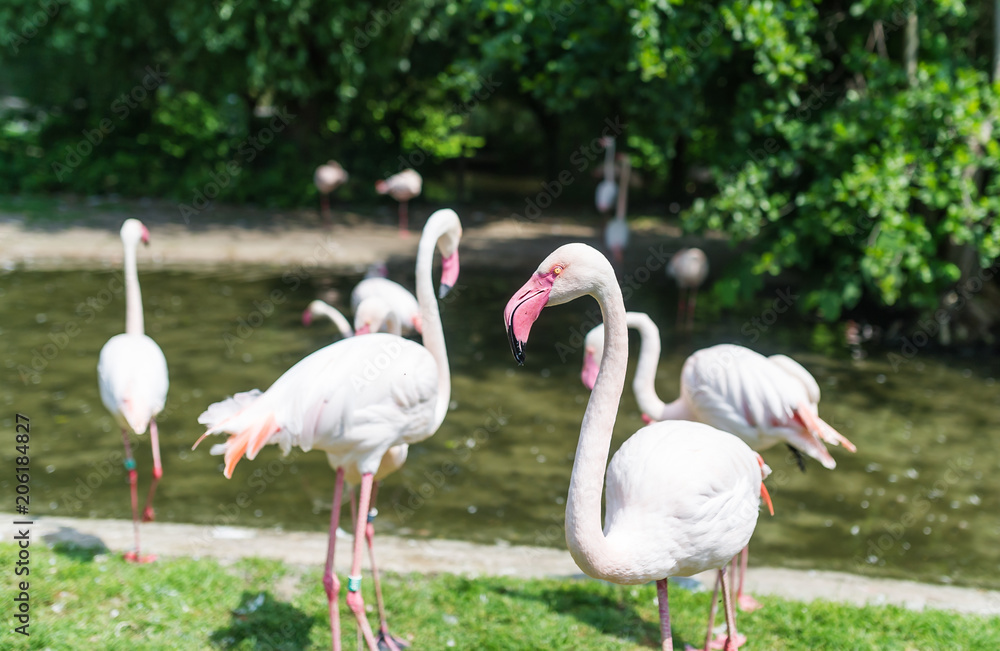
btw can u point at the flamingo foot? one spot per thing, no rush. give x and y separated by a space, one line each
726 643
748 604
132 557
389 642
148 515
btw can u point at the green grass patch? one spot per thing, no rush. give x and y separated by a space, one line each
80 600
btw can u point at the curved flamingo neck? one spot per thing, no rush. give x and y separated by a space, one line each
133 297
644 382
584 532
622 205
432 331
609 162
338 319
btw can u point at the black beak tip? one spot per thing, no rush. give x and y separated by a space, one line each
516 347
443 291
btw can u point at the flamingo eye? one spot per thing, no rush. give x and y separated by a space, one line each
558 269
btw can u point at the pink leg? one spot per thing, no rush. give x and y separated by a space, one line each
692 299
744 601
681 304
330 582
354 598
404 219
147 513
711 614
133 482
665 635
732 641
385 638
721 641
324 208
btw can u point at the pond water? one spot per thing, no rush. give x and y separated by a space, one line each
919 499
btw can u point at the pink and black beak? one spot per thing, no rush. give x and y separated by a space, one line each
145 236
307 317
523 309
449 275
590 368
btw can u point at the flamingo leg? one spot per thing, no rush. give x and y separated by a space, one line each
723 641
665 634
711 614
147 513
330 581
681 305
385 638
404 219
744 601
354 599
324 208
732 641
692 299
133 482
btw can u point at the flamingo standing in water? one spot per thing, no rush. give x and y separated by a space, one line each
355 400
616 232
762 400
689 267
682 497
402 187
328 178
372 315
132 374
404 305
604 196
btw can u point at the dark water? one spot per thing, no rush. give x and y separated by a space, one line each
919 499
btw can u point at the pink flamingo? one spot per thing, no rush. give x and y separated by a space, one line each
689 267
328 178
132 375
762 400
372 315
607 190
616 232
354 399
402 187
403 305
682 497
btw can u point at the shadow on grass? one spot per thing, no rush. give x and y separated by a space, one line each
606 613
265 623
75 545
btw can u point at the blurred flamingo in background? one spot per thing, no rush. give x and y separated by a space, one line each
682 497
132 375
762 400
402 187
616 232
328 178
689 267
404 305
355 400
604 196
372 315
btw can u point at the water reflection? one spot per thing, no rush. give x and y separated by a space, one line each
919 499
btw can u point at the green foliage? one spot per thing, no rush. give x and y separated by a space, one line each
252 604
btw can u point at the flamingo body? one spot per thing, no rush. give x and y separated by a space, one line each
329 177
132 376
689 267
404 306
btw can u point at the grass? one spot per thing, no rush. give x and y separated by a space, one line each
81 600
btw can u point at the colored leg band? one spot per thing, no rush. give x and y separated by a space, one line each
353 583
129 464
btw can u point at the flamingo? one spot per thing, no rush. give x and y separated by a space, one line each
682 497
604 197
689 267
402 187
328 178
132 375
616 232
372 315
405 308
355 400
762 400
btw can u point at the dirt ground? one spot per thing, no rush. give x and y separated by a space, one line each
429 556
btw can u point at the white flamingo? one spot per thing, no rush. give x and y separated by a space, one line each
616 233
689 267
682 497
604 196
402 187
762 400
372 315
404 305
354 399
328 178
132 374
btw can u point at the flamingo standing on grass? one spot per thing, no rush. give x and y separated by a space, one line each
682 497
616 232
328 178
402 187
404 305
689 267
762 400
355 400
132 375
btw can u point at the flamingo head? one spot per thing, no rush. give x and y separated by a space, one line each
372 315
593 352
134 231
569 272
381 187
445 228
